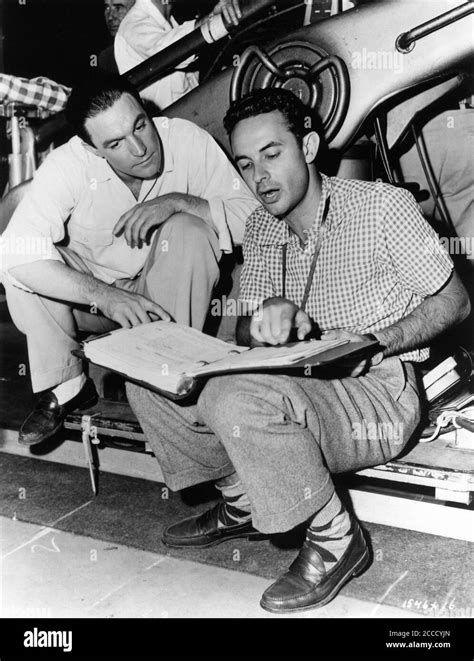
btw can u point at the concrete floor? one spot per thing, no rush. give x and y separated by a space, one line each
48 573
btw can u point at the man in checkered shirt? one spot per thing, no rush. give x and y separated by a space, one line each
273 441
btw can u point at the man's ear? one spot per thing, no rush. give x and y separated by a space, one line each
311 142
90 148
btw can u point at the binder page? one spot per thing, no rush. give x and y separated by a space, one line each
160 346
261 357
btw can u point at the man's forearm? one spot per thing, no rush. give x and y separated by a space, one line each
54 279
435 315
196 206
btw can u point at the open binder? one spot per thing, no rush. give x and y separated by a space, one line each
171 359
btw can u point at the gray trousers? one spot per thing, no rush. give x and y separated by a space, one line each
180 279
283 435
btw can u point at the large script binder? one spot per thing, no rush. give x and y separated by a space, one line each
171 359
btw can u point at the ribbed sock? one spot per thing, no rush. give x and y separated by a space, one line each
236 503
330 532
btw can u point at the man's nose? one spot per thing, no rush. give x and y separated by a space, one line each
137 147
259 173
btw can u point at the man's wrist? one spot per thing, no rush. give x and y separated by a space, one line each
370 336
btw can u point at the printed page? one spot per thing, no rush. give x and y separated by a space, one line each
159 353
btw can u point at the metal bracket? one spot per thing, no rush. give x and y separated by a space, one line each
89 438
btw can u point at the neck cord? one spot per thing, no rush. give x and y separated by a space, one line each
146 196
312 269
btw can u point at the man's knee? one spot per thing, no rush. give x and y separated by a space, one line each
239 397
18 300
192 229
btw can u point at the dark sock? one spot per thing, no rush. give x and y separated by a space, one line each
236 503
330 535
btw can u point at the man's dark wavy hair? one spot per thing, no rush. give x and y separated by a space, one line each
300 119
92 96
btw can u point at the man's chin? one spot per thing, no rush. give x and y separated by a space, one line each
275 209
148 171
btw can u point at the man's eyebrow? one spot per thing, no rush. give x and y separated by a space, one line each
274 143
121 137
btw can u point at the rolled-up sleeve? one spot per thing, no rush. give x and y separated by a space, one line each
230 200
38 223
420 260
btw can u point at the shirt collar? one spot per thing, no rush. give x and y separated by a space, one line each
281 233
162 125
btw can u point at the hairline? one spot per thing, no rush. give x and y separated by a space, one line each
102 110
299 138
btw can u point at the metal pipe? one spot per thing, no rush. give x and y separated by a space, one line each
406 41
162 63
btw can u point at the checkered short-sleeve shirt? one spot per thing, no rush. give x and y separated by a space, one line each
379 259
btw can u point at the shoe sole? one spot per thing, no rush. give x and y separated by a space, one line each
250 536
358 569
83 407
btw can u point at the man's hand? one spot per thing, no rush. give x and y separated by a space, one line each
273 321
137 223
230 11
354 367
129 309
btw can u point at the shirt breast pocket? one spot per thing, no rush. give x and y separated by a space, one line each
91 237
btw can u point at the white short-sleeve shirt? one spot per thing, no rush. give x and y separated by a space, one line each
77 197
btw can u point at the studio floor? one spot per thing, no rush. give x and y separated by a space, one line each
66 553
60 574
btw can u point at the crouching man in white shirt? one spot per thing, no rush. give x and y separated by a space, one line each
124 224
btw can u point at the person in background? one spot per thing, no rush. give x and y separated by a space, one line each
114 13
148 28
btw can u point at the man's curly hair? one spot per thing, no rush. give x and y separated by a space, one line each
300 119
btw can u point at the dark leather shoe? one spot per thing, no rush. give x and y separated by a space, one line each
48 416
306 584
202 530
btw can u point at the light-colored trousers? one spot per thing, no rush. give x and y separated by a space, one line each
283 435
181 280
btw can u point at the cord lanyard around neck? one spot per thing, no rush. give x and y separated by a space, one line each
319 241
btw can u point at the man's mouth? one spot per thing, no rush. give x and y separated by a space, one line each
269 196
146 161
